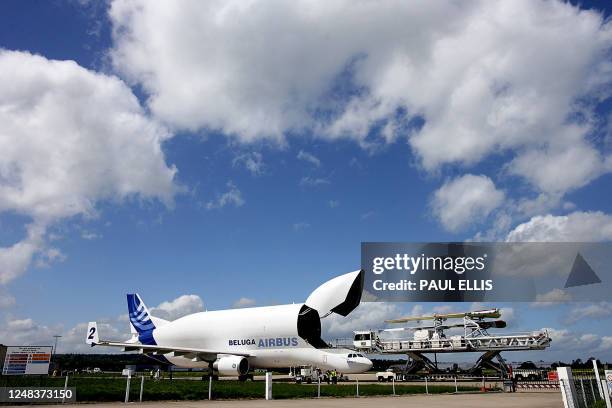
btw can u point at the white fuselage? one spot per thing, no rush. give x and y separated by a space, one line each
268 334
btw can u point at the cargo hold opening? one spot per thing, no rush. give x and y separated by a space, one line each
309 327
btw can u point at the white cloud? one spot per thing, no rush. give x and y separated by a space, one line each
367 215
232 196
24 331
14 260
29 332
484 79
370 315
444 309
244 302
575 227
489 77
88 235
509 315
590 312
540 204
417 310
181 306
48 256
566 340
20 325
313 181
73 339
552 298
6 299
70 138
459 201
252 161
333 203
568 165
308 157
606 343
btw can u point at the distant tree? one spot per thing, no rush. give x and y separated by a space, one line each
558 364
577 363
527 365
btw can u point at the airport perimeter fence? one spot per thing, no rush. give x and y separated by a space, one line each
114 388
581 391
537 385
585 391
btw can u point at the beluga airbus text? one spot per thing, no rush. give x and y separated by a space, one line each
235 341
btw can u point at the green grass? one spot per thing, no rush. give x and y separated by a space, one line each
91 389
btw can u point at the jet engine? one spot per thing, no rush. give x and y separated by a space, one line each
231 365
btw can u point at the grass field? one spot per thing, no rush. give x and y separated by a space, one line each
92 389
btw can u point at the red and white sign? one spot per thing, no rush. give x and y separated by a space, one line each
27 360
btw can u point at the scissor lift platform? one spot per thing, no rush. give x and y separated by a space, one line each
510 342
434 339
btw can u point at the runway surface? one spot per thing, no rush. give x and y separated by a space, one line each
497 400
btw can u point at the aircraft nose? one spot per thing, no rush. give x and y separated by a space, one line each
358 365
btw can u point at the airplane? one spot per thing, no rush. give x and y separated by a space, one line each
233 342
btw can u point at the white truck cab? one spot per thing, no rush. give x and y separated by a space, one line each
387 375
364 339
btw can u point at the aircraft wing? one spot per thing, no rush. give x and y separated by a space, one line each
409 319
495 324
481 314
196 354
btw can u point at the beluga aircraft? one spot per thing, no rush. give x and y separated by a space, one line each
235 341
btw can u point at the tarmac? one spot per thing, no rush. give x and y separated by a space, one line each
497 400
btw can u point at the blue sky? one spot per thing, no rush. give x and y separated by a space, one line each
288 165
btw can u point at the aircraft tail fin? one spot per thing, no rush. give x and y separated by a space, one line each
141 319
91 337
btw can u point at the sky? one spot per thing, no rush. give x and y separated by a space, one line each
228 154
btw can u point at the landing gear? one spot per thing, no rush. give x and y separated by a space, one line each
245 377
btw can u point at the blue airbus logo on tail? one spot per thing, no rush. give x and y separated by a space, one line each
140 319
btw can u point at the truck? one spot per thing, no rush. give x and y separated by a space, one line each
385 376
311 375
308 375
535 374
